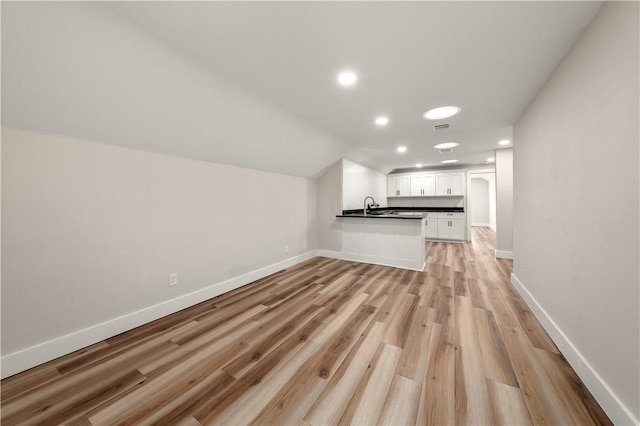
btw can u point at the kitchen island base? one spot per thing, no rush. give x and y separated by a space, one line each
384 241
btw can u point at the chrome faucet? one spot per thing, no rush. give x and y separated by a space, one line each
367 206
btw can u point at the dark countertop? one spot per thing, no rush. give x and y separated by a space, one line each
399 212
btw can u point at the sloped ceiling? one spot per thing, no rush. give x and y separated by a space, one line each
254 83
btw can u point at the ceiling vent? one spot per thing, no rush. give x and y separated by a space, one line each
445 150
441 126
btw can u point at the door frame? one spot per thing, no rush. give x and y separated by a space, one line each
468 206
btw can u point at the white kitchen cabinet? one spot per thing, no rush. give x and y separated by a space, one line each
457 229
426 184
398 186
423 184
431 226
451 226
450 183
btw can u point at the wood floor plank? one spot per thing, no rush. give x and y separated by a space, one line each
326 341
437 403
401 321
161 390
402 402
330 405
14 386
472 398
295 390
368 400
415 355
496 362
507 405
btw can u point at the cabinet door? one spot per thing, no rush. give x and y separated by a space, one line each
403 185
429 185
431 228
416 185
444 230
443 184
392 186
455 184
456 229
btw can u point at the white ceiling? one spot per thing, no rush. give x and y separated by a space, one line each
490 58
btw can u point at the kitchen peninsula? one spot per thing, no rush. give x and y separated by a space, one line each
387 236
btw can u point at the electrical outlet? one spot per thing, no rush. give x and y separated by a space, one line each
173 280
286 249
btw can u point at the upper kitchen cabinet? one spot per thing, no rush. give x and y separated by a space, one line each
398 186
450 184
422 184
426 184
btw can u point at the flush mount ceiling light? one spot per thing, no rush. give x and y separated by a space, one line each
382 121
441 112
490 160
347 78
504 142
419 165
449 161
402 149
446 145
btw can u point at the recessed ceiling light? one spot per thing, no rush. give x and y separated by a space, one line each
419 165
382 121
441 112
490 160
446 145
449 161
402 149
504 142
347 78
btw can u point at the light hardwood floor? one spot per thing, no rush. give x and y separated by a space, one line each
326 342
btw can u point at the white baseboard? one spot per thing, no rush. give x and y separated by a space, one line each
375 261
46 351
502 254
486 225
492 227
330 254
608 400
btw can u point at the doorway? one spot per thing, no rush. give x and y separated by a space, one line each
481 203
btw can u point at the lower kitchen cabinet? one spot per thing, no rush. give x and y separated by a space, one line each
445 226
431 228
450 229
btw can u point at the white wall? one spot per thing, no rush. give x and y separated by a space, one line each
504 203
576 233
492 200
328 205
479 200
91 231
360 181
